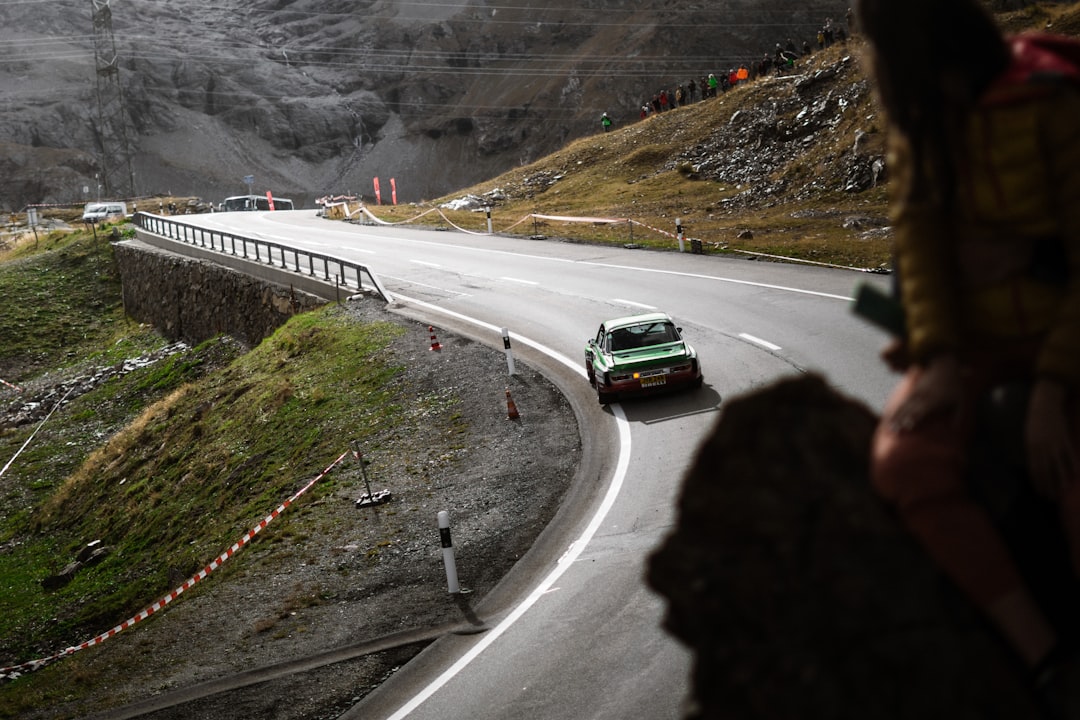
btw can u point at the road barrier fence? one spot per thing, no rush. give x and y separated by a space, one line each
331 270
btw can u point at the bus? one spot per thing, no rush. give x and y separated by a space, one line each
254 202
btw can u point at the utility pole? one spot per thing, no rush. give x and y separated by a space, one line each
117 175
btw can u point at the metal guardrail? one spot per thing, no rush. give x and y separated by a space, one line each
333 271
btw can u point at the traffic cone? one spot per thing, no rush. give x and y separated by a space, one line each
434 341
511 408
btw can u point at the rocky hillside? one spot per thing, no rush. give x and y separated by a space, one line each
316 97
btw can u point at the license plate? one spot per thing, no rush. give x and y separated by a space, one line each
653 381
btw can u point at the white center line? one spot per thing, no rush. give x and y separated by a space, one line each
759 341
424 262
518 280
634 304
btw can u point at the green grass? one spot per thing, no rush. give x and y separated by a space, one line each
204 464
167 465
48 316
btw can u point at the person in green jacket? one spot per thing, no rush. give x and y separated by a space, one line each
605 121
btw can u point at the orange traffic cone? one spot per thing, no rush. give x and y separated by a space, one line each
511 408
434 341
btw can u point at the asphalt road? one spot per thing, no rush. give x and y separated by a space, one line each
574 632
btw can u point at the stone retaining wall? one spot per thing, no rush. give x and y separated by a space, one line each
193 300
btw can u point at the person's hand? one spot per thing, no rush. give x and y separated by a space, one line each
936 389
1049 439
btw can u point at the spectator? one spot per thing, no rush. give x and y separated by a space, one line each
605 121
691 91
713 84
988 255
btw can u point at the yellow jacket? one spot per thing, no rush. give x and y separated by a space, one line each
966 279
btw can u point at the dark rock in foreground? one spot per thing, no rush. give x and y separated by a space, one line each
798 591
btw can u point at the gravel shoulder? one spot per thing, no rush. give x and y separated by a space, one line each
332 599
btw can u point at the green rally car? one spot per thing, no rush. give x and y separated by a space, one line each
640 354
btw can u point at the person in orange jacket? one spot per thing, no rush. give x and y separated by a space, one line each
984 153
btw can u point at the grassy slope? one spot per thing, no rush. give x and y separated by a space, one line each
646 172
189 451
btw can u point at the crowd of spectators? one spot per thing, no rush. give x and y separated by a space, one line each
782 60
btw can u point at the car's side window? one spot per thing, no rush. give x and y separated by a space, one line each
600 338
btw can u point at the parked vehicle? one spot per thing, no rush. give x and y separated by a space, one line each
640 354
254 202
96 212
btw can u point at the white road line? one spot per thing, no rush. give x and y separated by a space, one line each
619 266
616 266
568 558
356 249
759 341
634 304
426 263
519 280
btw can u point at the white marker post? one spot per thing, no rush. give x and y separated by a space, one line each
509 352
679 233
488 211
448 552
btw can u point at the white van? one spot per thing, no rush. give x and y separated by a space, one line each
96 212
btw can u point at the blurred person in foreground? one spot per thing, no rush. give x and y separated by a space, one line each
984 158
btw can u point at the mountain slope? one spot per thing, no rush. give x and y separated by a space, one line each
319 97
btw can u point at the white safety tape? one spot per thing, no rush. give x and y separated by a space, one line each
15 671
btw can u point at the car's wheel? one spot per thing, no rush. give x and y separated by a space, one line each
699 382
604 397
591 375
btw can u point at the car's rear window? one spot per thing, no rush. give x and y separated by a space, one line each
644 335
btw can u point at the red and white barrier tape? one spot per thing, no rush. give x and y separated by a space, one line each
15 671
16 388
379 221
580 219
654 229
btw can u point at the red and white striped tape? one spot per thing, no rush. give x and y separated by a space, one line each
16 388
10 673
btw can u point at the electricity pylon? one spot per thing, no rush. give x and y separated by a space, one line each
117 176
